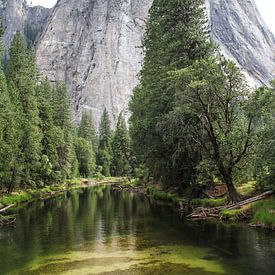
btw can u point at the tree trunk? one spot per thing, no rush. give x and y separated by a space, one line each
233 196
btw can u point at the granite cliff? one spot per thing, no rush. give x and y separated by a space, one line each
95 45
243 36
18 16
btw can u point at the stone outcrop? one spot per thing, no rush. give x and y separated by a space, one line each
244 37
16 15
95 45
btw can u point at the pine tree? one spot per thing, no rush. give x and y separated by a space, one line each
121 165
22 79
85 157
8 140
49 164
86 144
176 36
10 168
64 131
104 153
87 130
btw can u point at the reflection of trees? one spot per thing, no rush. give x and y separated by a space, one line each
70 221
98 218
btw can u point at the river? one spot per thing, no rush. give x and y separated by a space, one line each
101 231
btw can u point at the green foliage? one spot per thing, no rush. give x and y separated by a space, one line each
31 32
87 130
141 174
176 36
49 160
104 153
22 79
264 213
163 196
121 164
265 153
210 202
64 131
247 188
85 157
230 215
16 198
211 109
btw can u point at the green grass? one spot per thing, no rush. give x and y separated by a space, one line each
163 196
16 198
29 195
247 188
230 215
210 202
264 213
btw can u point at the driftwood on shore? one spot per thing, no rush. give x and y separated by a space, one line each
138 189
6 208
201 213
6 221
250 200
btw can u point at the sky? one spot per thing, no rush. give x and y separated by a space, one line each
266 7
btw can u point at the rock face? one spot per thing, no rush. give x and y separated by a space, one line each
243 36
16 15
95 46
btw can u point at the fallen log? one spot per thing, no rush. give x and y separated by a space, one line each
250 200
6 208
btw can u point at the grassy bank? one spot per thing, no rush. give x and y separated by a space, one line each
160 195
28 195
258 214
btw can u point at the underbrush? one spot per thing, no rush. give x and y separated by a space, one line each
210 202
230 215
264 213
247 188
16 198
163 196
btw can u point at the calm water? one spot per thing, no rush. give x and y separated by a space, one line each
100 231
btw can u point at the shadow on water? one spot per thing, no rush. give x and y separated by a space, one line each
100 231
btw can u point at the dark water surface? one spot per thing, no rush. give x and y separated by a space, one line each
100 231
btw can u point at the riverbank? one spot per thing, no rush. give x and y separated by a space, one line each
10 201
259 213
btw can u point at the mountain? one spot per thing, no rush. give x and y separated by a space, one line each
17 15
244 37
95 46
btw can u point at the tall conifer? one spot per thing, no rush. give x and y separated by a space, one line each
65 131
104 154
22 79
176 36
121 165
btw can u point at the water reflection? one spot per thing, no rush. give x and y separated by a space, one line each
97 230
